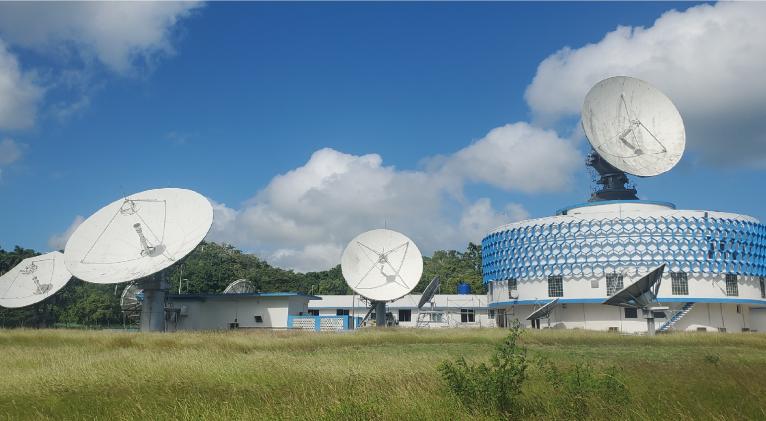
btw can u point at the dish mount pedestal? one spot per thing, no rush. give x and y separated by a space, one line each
613 182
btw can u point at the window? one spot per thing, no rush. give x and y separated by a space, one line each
513 292
342 312
405 315
467 315
555 286
259 319
491 314
613 283
679 282
631 313
763 286
490 288
732 289
313 312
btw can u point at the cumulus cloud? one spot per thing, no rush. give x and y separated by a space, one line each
116 34
58 241
303 218
710 59
120 35
19 93
517 157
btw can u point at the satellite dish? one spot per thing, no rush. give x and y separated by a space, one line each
544 312
633 126
131 299
139 235
33 280
429 292
240 286
382 265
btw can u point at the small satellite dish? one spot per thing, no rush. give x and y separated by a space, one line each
544 312
429 292
33 280
382 265
240 286
131 299
633 126
138 236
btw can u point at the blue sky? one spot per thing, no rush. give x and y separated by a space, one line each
306 123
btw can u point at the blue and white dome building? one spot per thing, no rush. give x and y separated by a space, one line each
715 273
715 262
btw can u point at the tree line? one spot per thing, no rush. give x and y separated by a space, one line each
209 269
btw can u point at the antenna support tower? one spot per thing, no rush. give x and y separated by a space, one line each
612 181
153 309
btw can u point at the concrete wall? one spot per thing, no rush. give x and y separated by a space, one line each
219 312
710 316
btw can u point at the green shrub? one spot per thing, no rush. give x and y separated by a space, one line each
493 387
581 389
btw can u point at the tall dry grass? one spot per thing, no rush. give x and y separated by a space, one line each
372 374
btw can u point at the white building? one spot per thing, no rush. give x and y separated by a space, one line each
714 278
224 311
458 310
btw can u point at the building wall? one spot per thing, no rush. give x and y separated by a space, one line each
218 313
584 243
712 317
449 304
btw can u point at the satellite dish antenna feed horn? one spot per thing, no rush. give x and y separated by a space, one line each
633 128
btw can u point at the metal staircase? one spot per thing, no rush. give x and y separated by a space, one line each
676 317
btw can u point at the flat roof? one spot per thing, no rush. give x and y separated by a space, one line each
240 295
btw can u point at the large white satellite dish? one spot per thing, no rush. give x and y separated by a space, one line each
382 265
633 126
139 235
33 280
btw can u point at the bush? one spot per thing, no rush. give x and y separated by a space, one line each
493 387
580 389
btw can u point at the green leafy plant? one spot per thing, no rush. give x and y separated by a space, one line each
494 386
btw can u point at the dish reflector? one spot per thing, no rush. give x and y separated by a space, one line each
382 265
138 236
633 126
240 286
33 280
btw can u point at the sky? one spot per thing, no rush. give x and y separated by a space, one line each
306 124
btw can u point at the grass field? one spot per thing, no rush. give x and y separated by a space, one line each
66 374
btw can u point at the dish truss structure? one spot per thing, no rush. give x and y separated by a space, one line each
381 265
633 126
33 280
138 236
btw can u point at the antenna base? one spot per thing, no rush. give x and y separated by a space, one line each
613 182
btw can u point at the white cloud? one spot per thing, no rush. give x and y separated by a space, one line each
115 33
710 59
518 157
10 151
58 241
303 218
19 93
123 36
